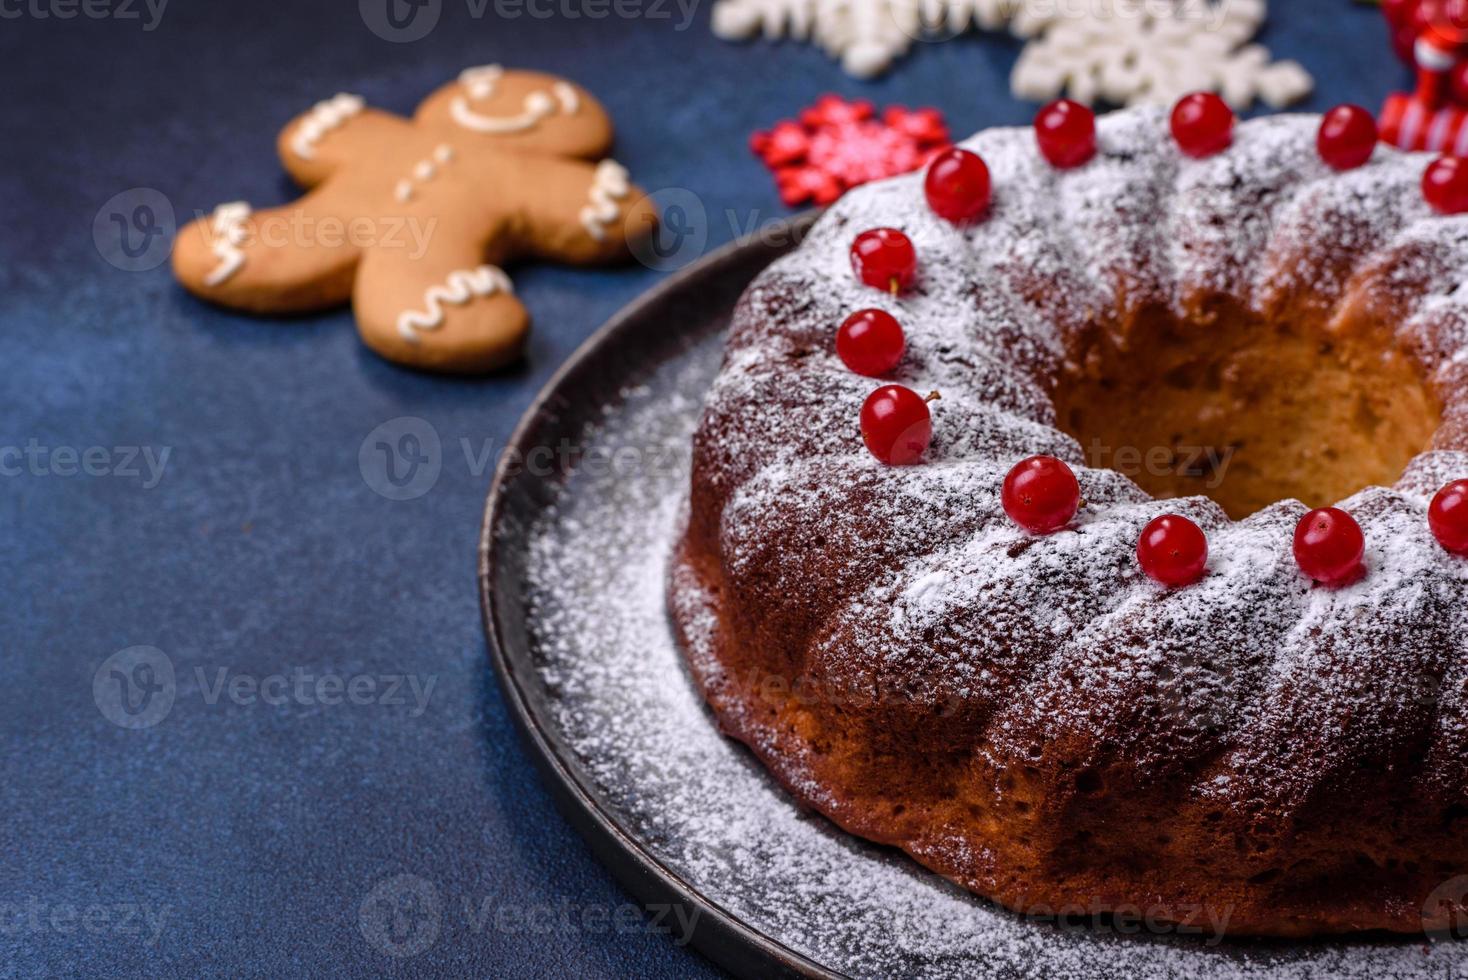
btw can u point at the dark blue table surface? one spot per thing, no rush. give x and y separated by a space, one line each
245 838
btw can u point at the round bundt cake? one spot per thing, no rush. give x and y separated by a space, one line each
1232 339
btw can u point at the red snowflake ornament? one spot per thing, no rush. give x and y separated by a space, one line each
838 144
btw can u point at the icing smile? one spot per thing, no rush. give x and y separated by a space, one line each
539 105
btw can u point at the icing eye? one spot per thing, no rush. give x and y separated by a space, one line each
539 103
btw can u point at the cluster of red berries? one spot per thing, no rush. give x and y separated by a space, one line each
1202 124
1041 493
896 422
958 187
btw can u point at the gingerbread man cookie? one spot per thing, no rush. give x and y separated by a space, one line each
411 220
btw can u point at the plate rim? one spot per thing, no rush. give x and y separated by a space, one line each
731 943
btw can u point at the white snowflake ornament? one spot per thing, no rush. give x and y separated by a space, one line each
1131 52
1120 51
844 29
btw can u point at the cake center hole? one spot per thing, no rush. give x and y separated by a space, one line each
1247 412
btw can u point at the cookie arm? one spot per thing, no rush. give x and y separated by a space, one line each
577 212
447 308
335 131
290 259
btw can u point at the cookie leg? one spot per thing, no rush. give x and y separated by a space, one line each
291 259
446 310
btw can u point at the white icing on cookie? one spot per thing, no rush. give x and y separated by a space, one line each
566 95
480 81
480 84
423 171
322 119
607 188
461 286
227 229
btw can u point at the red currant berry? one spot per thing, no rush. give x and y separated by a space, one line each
1041 494
1448 517
1329 546
1445 185
1347 137
896 425
870 342
1202 124
884 258
1173 550
957 185
1066 132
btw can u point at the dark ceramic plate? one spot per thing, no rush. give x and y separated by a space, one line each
580 522
666 323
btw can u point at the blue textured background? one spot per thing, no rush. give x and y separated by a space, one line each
259 831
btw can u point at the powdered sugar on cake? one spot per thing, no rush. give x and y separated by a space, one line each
697 802
1253 685
985 323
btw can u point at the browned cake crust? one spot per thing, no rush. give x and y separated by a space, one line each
1029 716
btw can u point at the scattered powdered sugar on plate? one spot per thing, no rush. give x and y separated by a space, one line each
700 805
